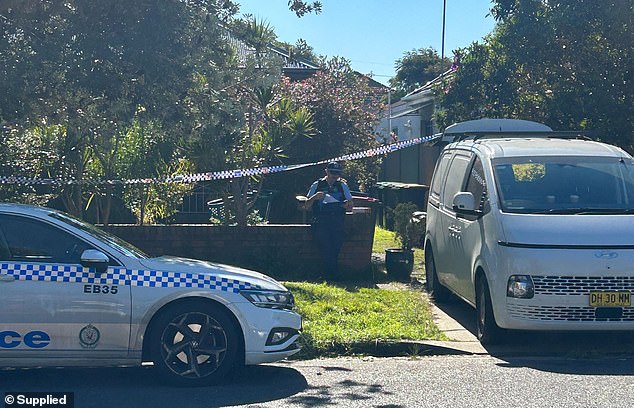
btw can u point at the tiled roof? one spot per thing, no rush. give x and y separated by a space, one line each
295 62
244 50
429 85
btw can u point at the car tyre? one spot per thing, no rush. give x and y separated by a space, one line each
435 289
194 344
488 331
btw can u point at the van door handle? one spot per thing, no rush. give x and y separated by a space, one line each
7 278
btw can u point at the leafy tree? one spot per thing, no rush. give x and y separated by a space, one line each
90 66
274 124
37 151
301 50
345 112
263 123
258 34
140 151
301 8
415 69
157 202
542 64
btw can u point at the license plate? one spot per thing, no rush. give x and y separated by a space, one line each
610 299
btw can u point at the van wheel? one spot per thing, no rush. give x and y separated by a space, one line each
488 331
435 289
194 344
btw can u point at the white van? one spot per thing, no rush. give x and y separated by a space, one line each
532 227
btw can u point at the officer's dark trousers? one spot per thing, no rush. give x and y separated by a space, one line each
328 230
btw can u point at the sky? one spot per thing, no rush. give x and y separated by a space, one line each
373 34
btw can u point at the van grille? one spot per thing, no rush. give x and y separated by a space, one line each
565 313
581 285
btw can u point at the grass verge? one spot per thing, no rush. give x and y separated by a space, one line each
383 239
344 321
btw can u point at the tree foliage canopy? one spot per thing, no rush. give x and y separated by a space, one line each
416 68
113 89
301 8
566 63
112 76
345 111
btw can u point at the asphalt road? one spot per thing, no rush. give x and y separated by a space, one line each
531 370
436 381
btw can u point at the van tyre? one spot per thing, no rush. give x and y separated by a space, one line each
488 331
435 289
194 344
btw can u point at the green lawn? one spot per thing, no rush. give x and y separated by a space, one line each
340 320
383 239
343 319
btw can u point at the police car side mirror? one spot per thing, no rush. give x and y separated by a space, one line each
91 258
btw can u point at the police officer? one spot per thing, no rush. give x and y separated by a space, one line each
329 198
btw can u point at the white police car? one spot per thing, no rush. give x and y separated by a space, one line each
72 295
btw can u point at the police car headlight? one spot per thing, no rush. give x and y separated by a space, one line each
269 298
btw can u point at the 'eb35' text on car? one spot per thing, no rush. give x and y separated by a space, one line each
73 295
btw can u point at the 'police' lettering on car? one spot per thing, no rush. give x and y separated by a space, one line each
34 339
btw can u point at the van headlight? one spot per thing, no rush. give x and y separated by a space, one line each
520 286
271 299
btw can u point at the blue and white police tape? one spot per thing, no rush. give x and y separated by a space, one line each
219 175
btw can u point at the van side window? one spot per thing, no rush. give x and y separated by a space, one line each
476 184
455 177
439 177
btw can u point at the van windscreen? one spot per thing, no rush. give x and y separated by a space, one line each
565 185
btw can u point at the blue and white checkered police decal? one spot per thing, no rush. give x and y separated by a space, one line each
120 276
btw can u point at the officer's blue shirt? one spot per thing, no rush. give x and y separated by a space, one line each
335 194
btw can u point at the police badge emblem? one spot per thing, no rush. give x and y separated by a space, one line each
89 336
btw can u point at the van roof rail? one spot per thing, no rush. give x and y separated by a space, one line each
456 137
496 128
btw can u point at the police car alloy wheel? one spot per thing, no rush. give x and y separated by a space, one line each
193 344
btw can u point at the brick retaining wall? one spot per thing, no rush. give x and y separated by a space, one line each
281 251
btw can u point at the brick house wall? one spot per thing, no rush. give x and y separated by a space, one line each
286 252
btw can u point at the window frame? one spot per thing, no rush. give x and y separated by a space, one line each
484 194
466 157
55 227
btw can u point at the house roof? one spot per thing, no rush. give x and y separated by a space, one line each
294 67
293 62
371 82
411 111
427 88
